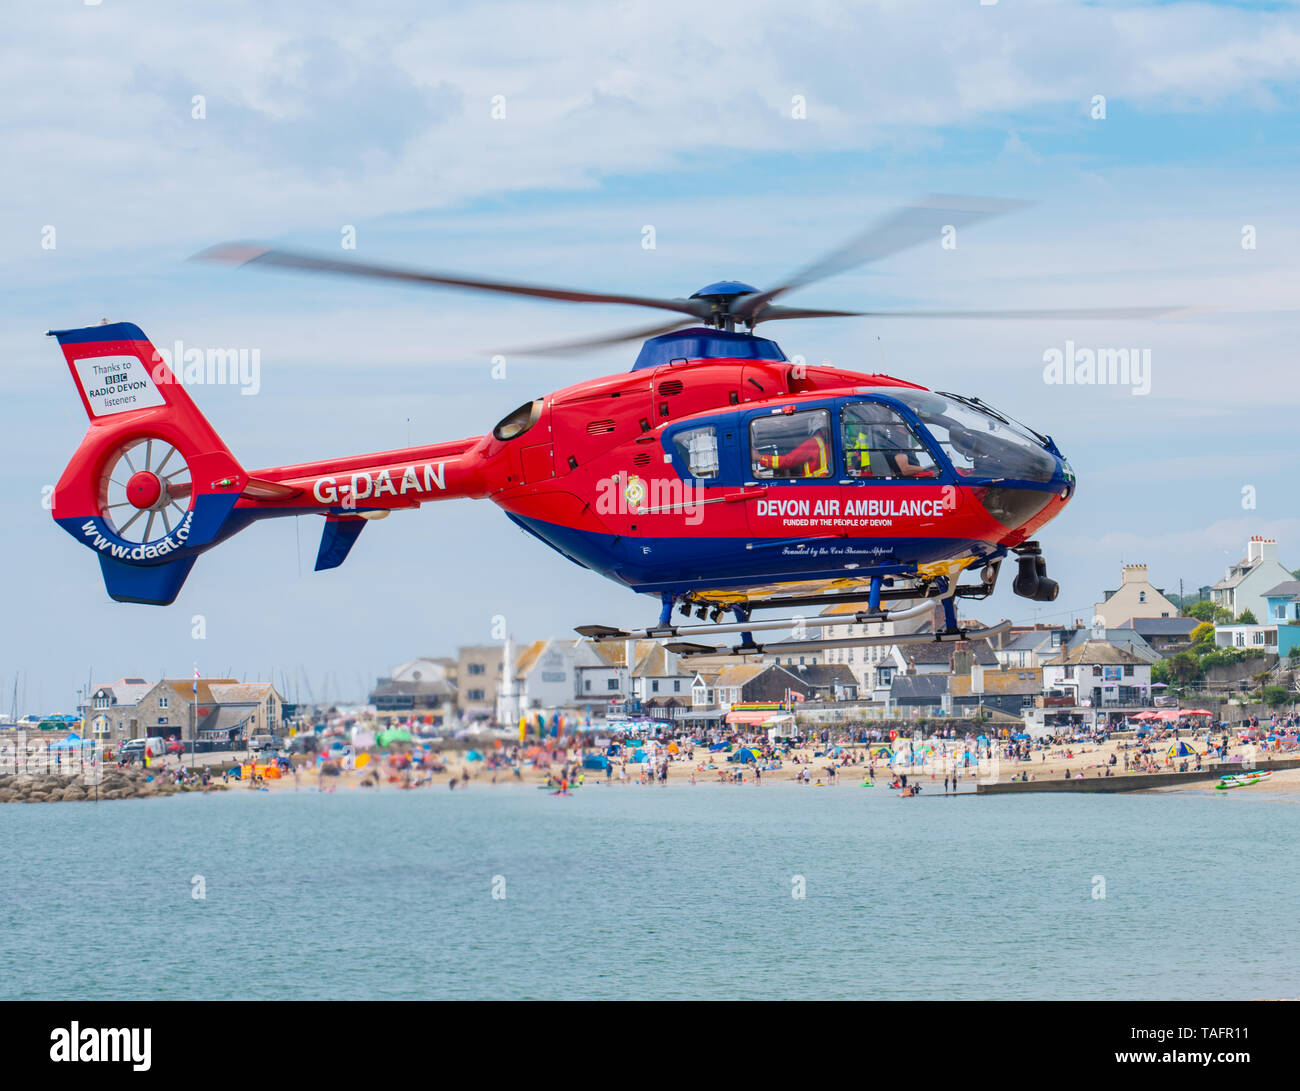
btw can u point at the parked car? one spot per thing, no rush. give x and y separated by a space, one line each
264 742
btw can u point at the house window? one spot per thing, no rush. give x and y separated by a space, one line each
1128 672
1142 596
586 685
677 686
476 668
1258 636
612 683
791 445
162 702
476 695
1096 672
879 444
654 686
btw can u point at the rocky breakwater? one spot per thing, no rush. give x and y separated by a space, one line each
55 788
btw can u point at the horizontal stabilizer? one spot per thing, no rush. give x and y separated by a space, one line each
341 531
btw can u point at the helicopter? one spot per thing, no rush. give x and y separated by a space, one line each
717 475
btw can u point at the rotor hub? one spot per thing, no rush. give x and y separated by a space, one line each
144 490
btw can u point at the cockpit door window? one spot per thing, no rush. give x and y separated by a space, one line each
880 445
791 446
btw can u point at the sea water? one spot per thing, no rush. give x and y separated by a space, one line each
705 891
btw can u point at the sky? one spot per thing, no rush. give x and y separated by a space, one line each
1157 143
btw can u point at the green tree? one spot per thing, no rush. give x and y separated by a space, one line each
1247 617
1202 611
1203 633
1274 695
1183 667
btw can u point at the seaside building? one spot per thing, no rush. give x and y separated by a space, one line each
1136 597
224 709
1098 675
421 685
479 670
1247 581
1283 605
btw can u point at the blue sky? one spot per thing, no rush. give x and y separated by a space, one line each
617 116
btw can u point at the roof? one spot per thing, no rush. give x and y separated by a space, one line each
918 687
940 652
1032 641
526 657
386 687
1162 626
657 662
825 674
1097 652
740 674
185 687
128 691
238 693
1287 589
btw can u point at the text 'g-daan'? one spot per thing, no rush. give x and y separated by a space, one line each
363 486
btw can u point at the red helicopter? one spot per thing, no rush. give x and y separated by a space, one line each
717 474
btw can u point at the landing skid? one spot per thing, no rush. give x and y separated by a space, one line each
789 647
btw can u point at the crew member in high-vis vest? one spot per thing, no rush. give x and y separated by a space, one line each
857 453
810 459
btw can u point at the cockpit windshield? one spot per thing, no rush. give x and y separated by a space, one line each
978 442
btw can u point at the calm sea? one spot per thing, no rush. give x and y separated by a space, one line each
651 892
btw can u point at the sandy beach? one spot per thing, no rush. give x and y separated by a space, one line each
702 767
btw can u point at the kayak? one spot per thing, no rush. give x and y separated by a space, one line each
1244 782
1262 775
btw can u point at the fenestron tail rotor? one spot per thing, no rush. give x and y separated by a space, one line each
146 490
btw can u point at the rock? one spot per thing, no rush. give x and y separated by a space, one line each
7 795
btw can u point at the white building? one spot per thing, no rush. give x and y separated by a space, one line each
1244 586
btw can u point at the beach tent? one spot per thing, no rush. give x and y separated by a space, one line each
595 761
880 750
397 734
1180 749
745 754
1019 736
639 755
72 742
473 755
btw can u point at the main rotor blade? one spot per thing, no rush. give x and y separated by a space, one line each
908 226
1099 313
774 311
594 343
234 253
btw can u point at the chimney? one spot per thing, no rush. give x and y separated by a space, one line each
1133 573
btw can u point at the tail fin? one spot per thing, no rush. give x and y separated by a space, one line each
152 484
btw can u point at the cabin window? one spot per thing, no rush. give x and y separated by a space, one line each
791 445
878 443
698 448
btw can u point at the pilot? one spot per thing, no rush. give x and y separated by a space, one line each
898 456
811 458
